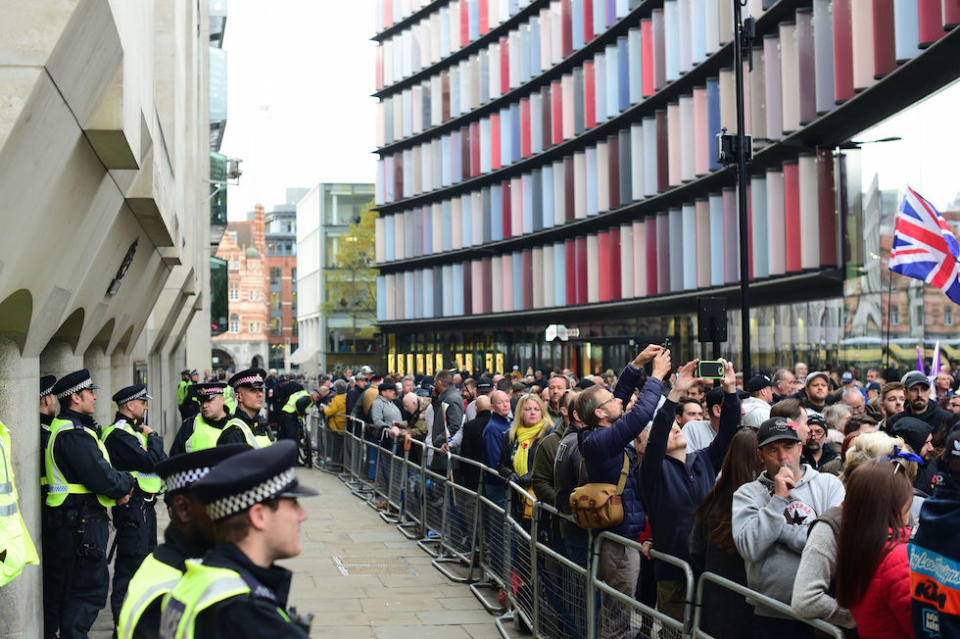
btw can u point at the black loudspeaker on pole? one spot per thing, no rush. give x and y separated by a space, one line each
742 190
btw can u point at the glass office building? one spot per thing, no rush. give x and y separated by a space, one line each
553 162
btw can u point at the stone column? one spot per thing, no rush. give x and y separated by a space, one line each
21 600
95 360
59 359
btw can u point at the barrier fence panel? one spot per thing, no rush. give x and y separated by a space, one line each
561 594
360 482
621 616
411 514
752 597
329 443
346 475
458 535
398 470
434 498
520 534
492 540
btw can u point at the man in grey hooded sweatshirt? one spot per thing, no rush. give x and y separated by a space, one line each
771 516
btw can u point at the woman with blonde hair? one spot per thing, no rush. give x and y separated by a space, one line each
531 423
813 585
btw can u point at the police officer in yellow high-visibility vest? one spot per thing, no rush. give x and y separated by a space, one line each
248 389
210 427
81 485
182 388
16 548
190 534
238 590
292 412
134 447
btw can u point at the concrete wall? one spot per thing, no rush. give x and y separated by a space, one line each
103 139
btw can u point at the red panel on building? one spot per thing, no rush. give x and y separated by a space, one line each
504 65
951 13
525 141
494 141
588 20
646 56
842 51
570 263
884 54
663 162
487 271
484 25
468 290
464 23
546 106
566 28
791 214
589 95
931 22
613 263
568 190
603 248
581 270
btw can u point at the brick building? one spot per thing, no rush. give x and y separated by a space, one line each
281 252
245 343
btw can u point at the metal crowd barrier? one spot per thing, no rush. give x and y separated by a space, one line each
501 544
328 442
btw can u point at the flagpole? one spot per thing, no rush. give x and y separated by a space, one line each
886 345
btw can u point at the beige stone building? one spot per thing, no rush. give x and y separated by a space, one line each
104 143
243 247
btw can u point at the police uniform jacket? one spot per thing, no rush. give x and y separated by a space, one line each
252 616
79 459
126 452
232 435
174 551
257 424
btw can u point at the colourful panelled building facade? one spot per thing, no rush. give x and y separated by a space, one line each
555 161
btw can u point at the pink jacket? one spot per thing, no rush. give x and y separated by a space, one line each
884 611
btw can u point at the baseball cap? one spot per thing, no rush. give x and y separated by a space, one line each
872 386
914 378
846 378
775 429
815 374
757 383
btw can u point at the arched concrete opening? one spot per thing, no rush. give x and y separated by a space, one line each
257 361
15 314
223 359
96 361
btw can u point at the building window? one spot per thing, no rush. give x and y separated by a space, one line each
234 292
276 274
235 264
253 296
948 316
252 326
894 315
234 323
276 327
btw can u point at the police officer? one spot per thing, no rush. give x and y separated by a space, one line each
81 485
209 428
134 447
248 387
16 548
190 534
191 402
292 412
238 590
182 389
48 410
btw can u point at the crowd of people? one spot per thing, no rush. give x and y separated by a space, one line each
835 496
733 476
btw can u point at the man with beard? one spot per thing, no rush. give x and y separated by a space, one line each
816 390
919 404
558 385
815 452
893 398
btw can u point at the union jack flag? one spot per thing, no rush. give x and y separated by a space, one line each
924 247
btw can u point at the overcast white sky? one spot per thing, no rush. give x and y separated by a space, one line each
299 78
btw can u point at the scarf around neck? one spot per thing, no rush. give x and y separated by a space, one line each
525 437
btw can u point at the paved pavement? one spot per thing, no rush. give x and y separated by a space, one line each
362 578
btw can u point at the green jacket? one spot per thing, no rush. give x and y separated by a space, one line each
542 478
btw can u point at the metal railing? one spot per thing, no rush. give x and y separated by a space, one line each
497 537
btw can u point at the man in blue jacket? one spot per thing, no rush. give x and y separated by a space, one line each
607 433
492 437
673 482
935 555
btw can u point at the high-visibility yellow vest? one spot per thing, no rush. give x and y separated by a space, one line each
252 440
200 588
57 486
16 547
229 400
153 580
148 482
204 435
291 405
182 389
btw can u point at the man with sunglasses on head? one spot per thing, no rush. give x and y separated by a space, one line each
210 426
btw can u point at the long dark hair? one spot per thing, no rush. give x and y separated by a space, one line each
871 526
741 465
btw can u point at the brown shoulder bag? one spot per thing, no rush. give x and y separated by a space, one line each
599 505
